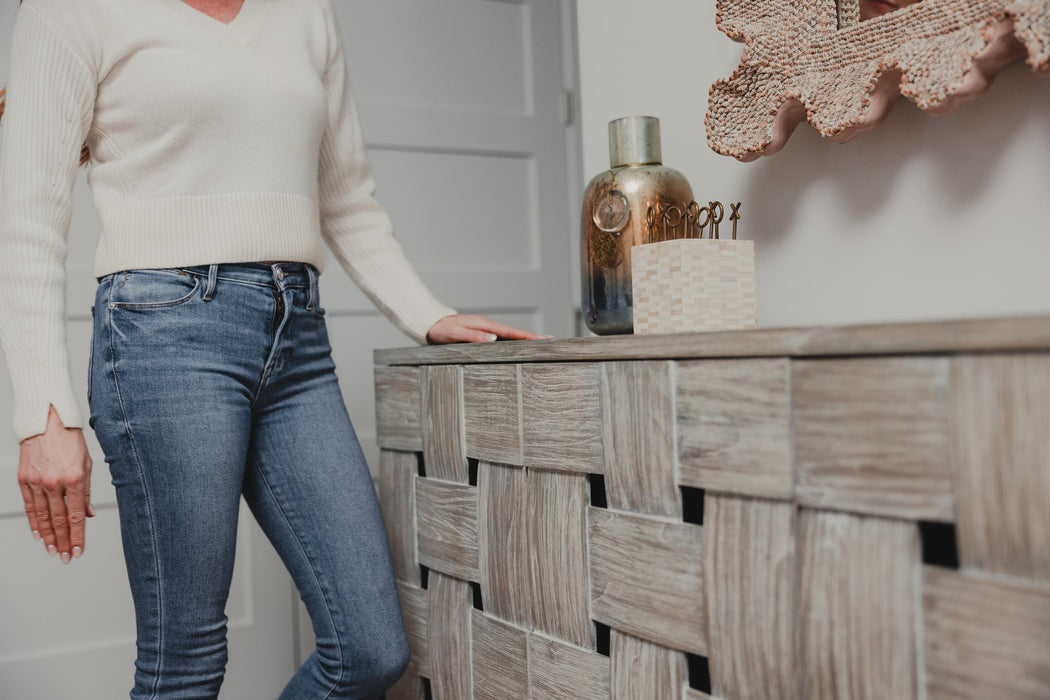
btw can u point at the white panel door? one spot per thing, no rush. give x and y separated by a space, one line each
468 112
464 109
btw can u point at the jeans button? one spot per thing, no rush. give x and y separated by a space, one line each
280 274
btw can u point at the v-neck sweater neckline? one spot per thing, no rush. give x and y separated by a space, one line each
240 30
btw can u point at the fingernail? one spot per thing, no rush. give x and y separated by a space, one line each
36 535
77 551
65 557
490 336
52 550
548 337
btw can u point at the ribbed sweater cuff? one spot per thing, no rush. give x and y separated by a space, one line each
35 389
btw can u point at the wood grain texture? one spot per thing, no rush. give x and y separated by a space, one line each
858 602
750 581
733 426
985 638
1001 462
562 416
883 440
692 694
503 529
969 335
500 659
647 579
492 410
443 437
414 614
557 535
397 498
447 517
399 408
559 671
871 436
408 687
638 412
641 670
449 639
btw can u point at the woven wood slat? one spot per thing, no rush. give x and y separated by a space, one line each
556 504
448 527
646 578
642 670
560 671
857 606
398 408
562 416
638 412
492 410
691 694
408 687
448 653
1001 414
442 421
414 611
734 430
985 638
397 499
503 541
871 436
799 574
500 659
749 578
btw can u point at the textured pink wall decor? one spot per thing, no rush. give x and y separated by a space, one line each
799 64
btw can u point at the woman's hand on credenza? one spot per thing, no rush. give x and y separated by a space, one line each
467 328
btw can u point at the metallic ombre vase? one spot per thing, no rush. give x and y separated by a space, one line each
616 208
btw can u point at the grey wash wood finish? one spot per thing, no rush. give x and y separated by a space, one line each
764 499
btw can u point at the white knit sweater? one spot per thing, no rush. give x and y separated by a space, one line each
210 143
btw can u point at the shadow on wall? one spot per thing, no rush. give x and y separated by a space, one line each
963 154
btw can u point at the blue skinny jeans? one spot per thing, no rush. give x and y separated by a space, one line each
212 382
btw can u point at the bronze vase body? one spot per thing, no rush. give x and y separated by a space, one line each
615 208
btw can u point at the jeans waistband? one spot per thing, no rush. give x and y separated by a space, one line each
281 273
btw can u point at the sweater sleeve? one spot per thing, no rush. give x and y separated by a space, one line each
353 224
49 109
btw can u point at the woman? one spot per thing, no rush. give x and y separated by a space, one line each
227 152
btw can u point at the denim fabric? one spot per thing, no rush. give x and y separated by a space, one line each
208 383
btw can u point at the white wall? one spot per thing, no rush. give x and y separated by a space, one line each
926 217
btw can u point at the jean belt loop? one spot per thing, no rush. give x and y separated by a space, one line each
312 274
209 291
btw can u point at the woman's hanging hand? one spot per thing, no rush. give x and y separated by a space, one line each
54 472
465 328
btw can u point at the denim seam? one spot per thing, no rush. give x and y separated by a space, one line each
149 505
313 569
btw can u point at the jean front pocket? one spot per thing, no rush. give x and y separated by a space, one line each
152 288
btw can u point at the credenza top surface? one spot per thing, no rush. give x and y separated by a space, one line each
951 336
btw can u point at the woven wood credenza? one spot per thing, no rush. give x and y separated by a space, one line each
857 513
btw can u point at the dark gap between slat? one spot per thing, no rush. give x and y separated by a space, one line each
939 544
597 489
